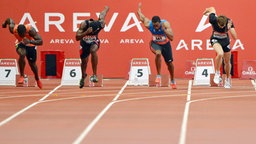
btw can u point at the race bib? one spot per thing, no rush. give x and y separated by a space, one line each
159 38
89 38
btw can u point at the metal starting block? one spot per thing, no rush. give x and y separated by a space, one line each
212 84
165 81
29 81
88 83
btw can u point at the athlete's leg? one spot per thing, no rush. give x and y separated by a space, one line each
218 60
84 62
21 61
157 50
227 64
31 57
94 58
170 69
34 69
168 58
158 61
227 67
84 55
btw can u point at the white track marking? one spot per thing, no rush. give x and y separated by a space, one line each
254 83
185 115
26 108
98 117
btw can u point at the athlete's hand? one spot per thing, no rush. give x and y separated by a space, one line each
89 30
3 25
25 41
139 5
209 10
106 7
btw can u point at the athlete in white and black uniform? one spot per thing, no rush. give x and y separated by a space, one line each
220 34
90 43
220 41
160 44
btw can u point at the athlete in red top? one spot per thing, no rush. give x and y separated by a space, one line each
160 44
28 39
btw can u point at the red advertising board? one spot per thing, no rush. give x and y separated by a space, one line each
124 37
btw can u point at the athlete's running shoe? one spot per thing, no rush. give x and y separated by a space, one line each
81 84
217 79
39 84
158 79
94 78
227 83
21 80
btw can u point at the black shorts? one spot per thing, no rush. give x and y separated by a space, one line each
86 47
165 49
31 53
225 43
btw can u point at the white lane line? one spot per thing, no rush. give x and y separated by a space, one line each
28 107
254 83
185 115
98 117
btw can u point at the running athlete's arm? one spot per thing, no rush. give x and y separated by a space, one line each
9 22
168 30
143 19
209 11
232 30
103 15
37 38
81 33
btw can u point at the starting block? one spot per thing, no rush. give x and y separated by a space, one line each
212 84
88 83
29 82
165 81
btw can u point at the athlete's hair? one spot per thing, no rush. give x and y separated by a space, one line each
21 30
222 20
156 19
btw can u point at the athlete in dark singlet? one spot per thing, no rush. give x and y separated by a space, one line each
90 43
28 39
220 41
160 44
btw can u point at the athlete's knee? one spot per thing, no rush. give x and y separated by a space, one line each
158 53
21 52
220 54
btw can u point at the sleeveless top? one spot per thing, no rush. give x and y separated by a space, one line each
15 32
97 27
158 36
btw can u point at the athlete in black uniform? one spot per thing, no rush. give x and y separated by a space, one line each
220 41
90 43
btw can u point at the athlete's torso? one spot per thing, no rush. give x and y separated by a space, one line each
158 36
15 33
97 27
218 32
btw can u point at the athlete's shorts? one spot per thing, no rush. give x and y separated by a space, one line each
165 49
225 43
31 53
86 47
